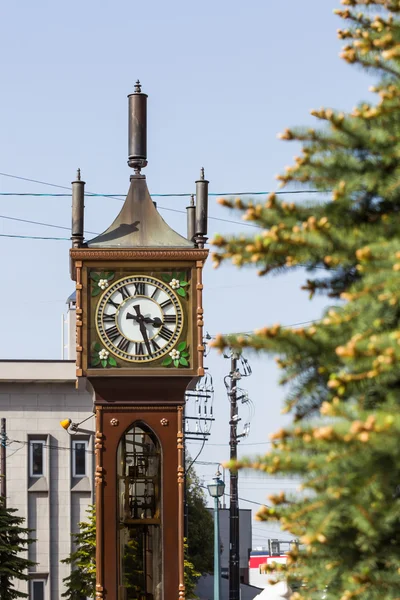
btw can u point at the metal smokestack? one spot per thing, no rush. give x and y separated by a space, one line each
201 210
191 219
78 199
137 143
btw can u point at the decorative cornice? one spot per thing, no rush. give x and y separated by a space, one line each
138 254
132 408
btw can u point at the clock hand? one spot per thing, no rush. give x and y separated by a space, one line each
140 319
156 322
134 317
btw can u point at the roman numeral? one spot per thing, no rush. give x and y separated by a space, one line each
114 304
123 345
169 318
139 349
109 318
124 292
166 303
165 333
140 288
155 293
155 345
113 333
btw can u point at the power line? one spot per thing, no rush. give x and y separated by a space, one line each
40 223
172 195
34 237
121 196
241 443
213 336
51 446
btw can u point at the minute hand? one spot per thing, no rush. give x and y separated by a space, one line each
142 327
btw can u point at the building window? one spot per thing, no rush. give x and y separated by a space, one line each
79 458
37 589
37 458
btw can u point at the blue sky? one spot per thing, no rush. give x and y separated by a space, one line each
223 79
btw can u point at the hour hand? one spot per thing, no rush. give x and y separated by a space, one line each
134 317
156 322
138 317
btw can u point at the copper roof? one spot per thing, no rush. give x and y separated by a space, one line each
139 224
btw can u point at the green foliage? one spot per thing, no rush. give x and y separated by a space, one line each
13 540
200 526
348 242
82 580
191 576
344 369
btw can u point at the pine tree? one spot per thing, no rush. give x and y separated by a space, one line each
82 580
14 540
344 368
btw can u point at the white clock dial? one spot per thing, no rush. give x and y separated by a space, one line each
139 318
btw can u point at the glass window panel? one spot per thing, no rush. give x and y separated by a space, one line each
140 543
37 458
79 458
37 590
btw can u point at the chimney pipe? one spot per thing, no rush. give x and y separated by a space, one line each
191 219
137 142
78 199
201 210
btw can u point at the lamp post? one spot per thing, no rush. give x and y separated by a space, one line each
216 489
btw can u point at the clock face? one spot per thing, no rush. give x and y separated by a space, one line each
139 318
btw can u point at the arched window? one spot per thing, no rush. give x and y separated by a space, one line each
139 505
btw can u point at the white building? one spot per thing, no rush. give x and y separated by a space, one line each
49 472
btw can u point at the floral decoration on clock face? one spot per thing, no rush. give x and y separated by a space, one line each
139 318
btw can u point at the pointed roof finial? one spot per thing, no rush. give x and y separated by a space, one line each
191 199
202 173
78 175
138 87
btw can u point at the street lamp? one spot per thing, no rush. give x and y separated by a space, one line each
216 489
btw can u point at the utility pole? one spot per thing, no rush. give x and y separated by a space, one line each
3 479
234 565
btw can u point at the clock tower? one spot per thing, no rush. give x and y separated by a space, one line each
139 344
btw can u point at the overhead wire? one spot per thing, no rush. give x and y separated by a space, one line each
121 196
187 195
40 223
33 237
50 446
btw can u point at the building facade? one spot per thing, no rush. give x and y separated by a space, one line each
49 473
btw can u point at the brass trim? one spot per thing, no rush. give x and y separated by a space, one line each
181 482
78 305
200 322
157 371
99 481
137 253
132 408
